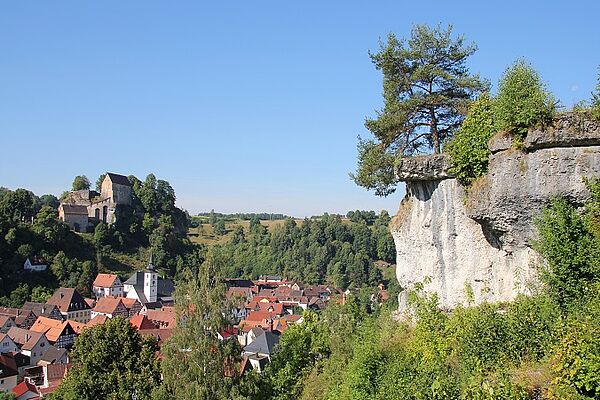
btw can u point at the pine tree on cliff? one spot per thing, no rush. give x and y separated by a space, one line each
426 89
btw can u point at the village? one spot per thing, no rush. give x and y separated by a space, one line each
35 339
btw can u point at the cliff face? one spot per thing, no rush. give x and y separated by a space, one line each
477 245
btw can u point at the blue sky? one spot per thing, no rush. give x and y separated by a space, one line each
241 106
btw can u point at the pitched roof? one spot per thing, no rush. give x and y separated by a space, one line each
53 354
162 316
142 322
97 320
8 366
68 299
107 305
263 344
26 339
129 303
118 179
165 287
4 319
52 328
74 209
105 280
23 388
40 309
260 315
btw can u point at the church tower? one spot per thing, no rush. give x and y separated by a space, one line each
150 282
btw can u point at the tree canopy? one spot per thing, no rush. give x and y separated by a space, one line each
111 361
427 88
81 182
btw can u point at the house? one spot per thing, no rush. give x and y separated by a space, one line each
44 310
22 318
54 355
59 333
71 304
161 318
6 323
36 266
18 360
260 350
74 215
32 344
97 320
25 391
53 374
107 285
132 305
7 345
111 307
8 376
247 337
227 333
140 322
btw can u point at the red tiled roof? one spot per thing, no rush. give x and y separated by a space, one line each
50 327
161 316
23 388
99 319
260 315
107 305
105 280
141 322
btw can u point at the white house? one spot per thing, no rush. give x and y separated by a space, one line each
33 344
7 345
107 285
29 266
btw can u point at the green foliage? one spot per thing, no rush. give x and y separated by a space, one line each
523 101
426 90
469 147
576 360
196 361
570 249
7 396
81 182
375 169
219 227
323 250
111 361
99 182
595 104
299 348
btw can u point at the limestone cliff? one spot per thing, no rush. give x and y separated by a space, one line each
478 243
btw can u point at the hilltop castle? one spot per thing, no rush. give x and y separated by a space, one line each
82 209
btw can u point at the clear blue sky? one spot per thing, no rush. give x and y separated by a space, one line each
240 105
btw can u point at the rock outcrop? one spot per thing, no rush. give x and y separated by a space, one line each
476 246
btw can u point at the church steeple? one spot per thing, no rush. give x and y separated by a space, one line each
150 263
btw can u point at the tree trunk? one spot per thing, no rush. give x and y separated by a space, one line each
435 136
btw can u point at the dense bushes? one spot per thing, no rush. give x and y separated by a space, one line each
469 147
522 101
570 244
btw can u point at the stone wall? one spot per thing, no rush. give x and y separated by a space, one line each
479 244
